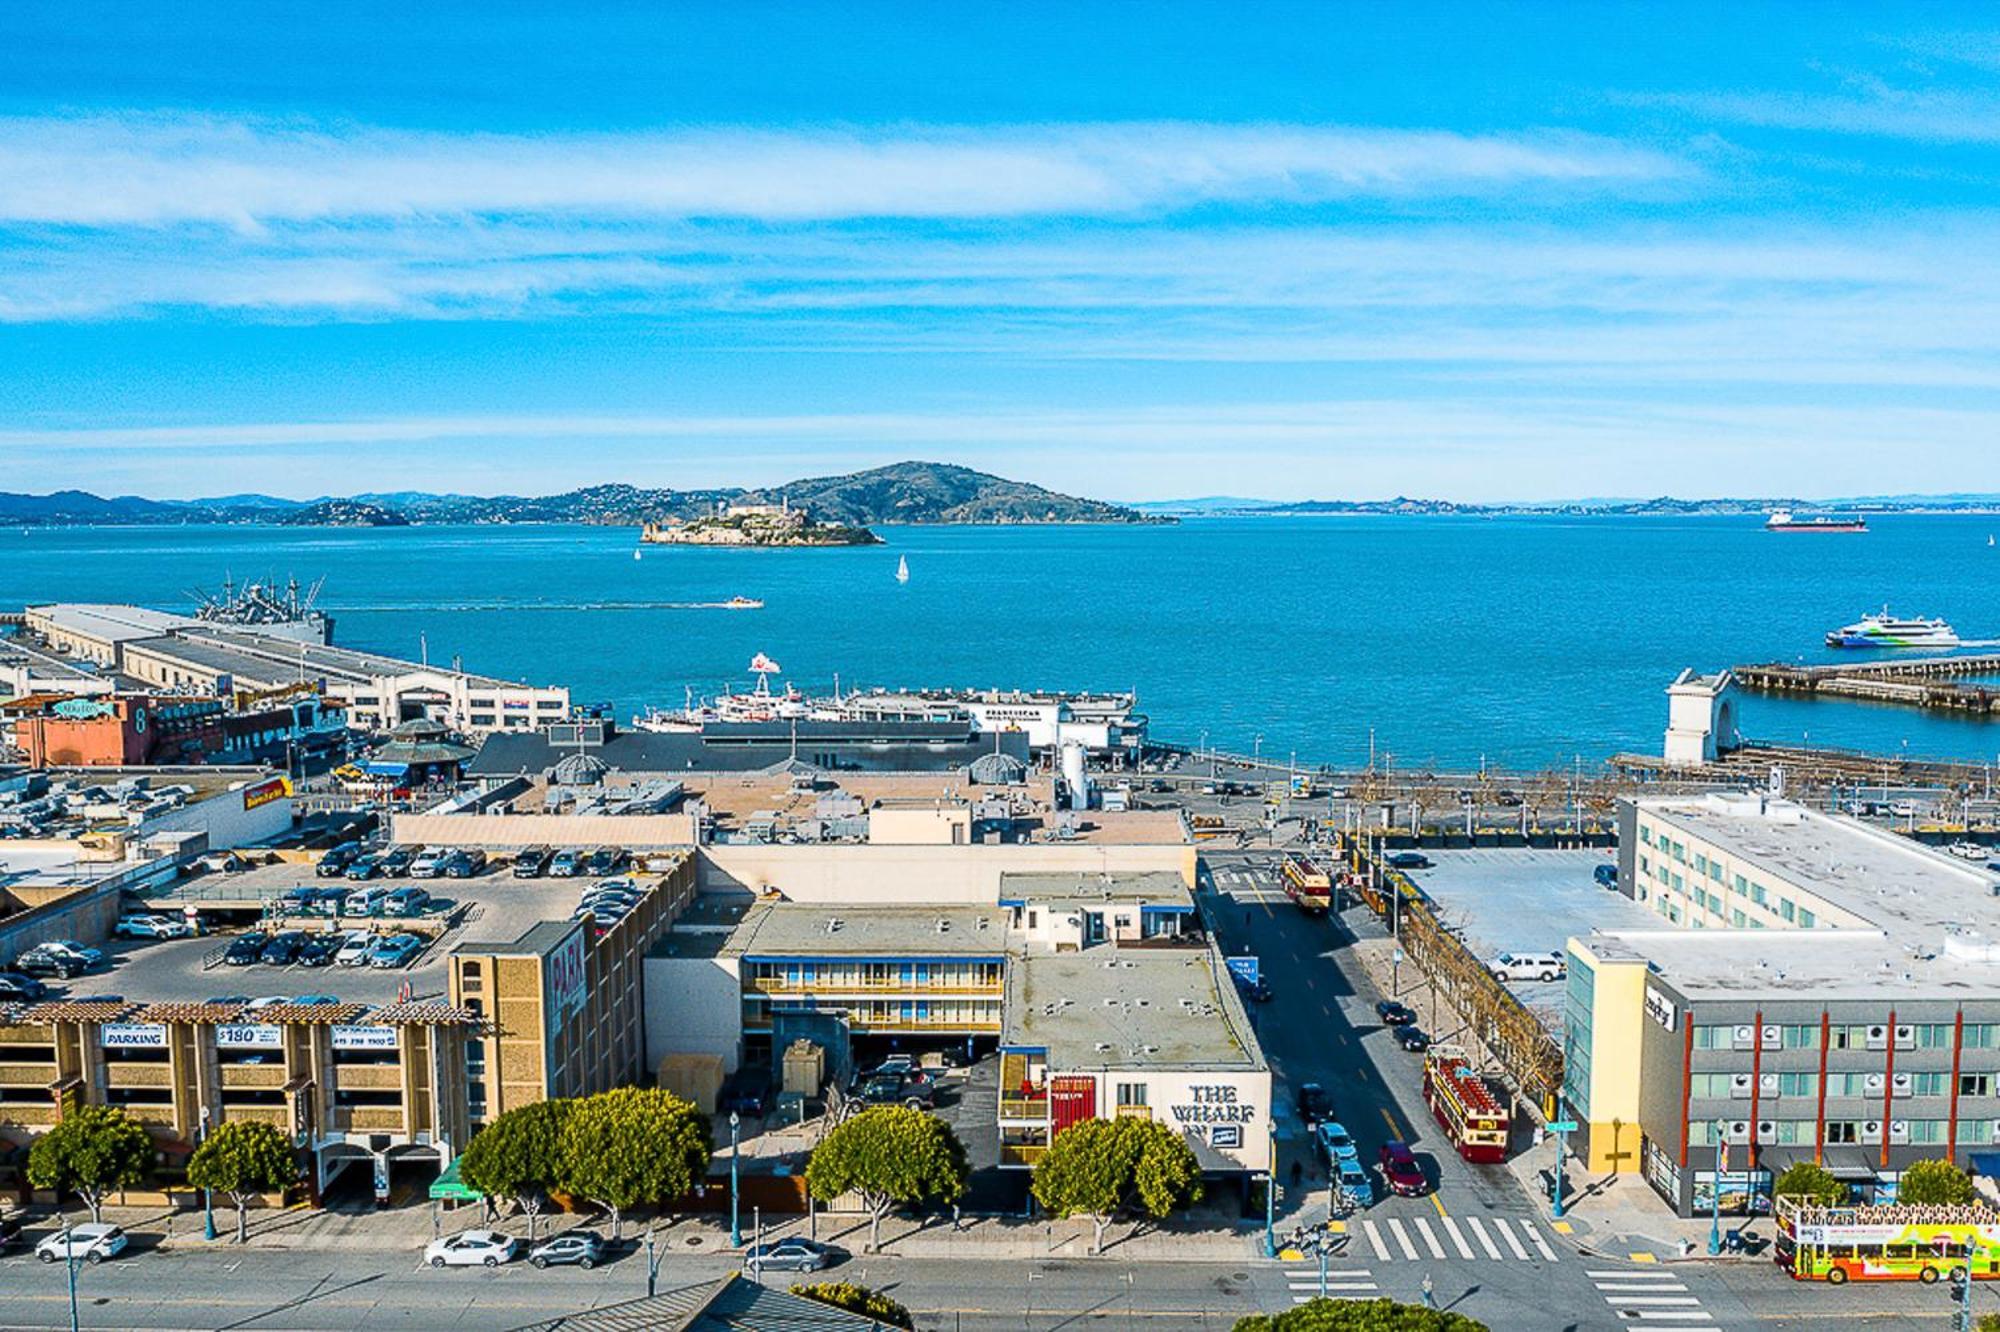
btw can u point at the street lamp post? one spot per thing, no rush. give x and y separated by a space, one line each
1715 1192
735 1223
1271 1189
69 1261
652 1266
207 1195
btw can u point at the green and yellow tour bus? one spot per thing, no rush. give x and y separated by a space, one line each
1895 1242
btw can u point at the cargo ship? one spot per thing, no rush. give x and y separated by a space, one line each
1784 520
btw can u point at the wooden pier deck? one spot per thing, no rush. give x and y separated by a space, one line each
1932 683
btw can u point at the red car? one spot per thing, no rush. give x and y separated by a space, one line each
1401 1172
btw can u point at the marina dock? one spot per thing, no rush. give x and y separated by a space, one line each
1932 683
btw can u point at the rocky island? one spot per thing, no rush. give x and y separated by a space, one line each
760 525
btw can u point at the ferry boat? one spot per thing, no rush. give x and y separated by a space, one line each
1890 631
758 704
1784 520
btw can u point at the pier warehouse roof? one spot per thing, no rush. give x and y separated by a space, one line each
833 746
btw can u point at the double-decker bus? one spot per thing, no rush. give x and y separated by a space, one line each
1308 885
1894 1242
1465 1107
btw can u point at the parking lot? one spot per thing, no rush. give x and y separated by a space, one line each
491 905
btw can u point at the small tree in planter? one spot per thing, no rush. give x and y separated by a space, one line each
1100 1167
519 1156
888 1154
243 1159
631 1146
92 1151
1935 1182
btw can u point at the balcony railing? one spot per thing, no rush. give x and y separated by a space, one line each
1020 1155
368 1077
27 1075
253 1075
857 985
1135 1112
138 1075
1024 1107
257 1114
375 1119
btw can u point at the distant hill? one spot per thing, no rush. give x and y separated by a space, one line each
910 492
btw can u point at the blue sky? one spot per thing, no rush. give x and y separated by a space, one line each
1136 251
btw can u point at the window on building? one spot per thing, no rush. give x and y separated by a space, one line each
1979 1035
1975 1084
1131 1093
1646 833
1738 919
1790 1132
1786 909
1712 1037
1927 1130
1806 919
1975 1131
1701 1133
1799 1036
1934 1036
1715 870
1929 1084
1843 1131
1707 1085
1700 863
1798 1084
1758 895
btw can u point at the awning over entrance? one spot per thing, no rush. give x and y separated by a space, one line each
1850 1165
450 1188
1986 1163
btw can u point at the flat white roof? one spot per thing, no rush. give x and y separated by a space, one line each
111 623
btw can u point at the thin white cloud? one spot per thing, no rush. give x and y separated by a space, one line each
1872 108
110 171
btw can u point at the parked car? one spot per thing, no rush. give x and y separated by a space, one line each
465 864
567 863
335 862
1335 1143
20 989
1400 1170
897 1089
1394 1014
619 897
406 902
10 1233
316 1000
92 1242
1314 1103
52 959
328 901
282 948
1408 860
583 1248
1528 966
470 1248
1413 1038
795 1254
747 1093
430 864
364 867
367 902
397 860
264 1001
319 950
151 927
303 899
1606 876
1258 991
395 951
359 944
227 1000
531 862
606 861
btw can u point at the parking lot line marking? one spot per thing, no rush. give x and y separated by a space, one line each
1402 1239
1457 1240
1375 1240
1430 1239
1479 1233
1507 1233
1540 1243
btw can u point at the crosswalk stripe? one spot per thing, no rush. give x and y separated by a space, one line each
1635 1301
1314 1272
1430 1240
1507 1233
1458 1240
1635 1286
1375 1240
1540 1243
1479 1233
1308 1299
1667 1315
1331 1284
1631 1272
1403 1239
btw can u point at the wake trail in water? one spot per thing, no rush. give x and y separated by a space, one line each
432 606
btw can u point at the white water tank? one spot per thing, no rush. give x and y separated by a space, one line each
1074 778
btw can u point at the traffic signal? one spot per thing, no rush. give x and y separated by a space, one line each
1961 1286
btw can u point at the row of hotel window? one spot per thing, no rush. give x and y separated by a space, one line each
1848 1036
940 975
1787 910
1844 1132
1738 1085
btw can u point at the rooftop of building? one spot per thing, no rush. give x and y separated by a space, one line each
1112 1007
1158 887
109 622
68 804
809 929
1807 965
838 748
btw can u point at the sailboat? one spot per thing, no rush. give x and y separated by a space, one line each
902 568
637 555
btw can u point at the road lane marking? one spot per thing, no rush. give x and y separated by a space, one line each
1375 1240
1403 1239
1540 1243
1507 1233
1457 1240
1438 1203
1479 1233
1394 1127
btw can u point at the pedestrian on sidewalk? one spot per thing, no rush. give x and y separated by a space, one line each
1430 1293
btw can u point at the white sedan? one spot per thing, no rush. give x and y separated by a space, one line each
355 951
471 1248
91 1242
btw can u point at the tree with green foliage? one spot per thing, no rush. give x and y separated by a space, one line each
1815 1183
888 1154
243 1159
1935 1182
1101 1167
1987 1323
631 1146
91 1151
1358 1316
857 1299
519 1156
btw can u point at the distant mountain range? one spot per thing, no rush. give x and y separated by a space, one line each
909 492
1215 506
